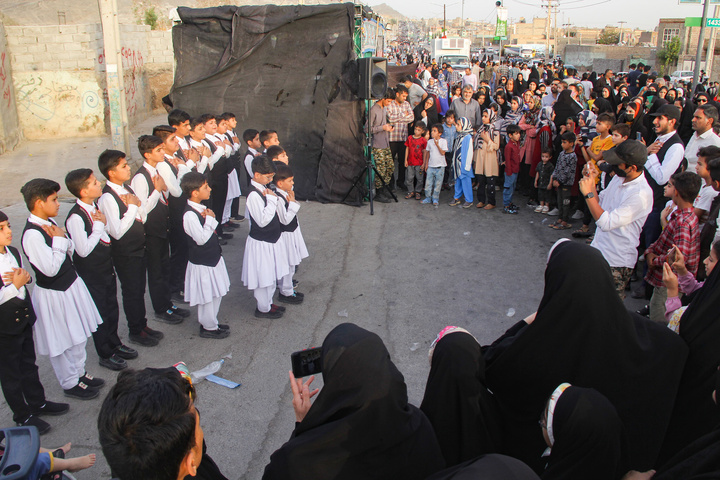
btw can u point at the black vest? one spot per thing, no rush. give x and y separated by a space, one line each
16 314
65 277
293 225
157 222
271 232
207 254
132 243
176 205
98 264
658 190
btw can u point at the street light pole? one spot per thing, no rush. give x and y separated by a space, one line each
701 41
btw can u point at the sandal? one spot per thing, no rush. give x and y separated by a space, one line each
582 233
409 195
560 226
417 196
480 205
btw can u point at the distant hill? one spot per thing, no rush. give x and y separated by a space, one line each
386 11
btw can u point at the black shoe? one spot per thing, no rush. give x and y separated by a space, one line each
221 241
238 218
82 391
51 408
273 313
183 312
125 352
301 295
91 381
156 334
178 297
169 317
229 226
645 311
292 299
217 334
381 198
226 236
113 362
143 339
222 326
279 307
32 421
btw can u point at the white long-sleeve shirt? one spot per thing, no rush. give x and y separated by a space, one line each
286 215
202 164
84 243
46 259
261 214
149 198
248 160
219 151
200 233
8 292
117 226
171 181
661 172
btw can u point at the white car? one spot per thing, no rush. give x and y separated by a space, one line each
681 75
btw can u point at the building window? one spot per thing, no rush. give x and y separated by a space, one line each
669 34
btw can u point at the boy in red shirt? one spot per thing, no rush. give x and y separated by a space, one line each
512 167
414 156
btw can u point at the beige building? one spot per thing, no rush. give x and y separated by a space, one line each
668 28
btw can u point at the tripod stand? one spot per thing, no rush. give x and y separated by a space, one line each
370 170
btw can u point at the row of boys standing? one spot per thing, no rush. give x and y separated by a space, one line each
172 204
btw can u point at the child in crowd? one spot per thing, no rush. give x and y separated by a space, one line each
206 280
512 167
462 164
414 159
66 313
195 141
251 137
268 138
151 188
487 169
619 133
238 158
681 231
563 177
291 234
49 461
86 227
218 171
264 260
684 281
543 177
19 377
449 133
434 164
707 192
179 121
233 185
125 217
276 153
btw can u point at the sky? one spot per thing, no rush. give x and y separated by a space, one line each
584 13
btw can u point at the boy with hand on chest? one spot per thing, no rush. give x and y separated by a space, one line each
66 313
86 227
218 165
19 377
206 281
125 217
150 187
265 259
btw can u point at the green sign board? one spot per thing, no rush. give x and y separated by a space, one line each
693 21
713 22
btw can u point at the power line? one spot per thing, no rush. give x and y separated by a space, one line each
585 6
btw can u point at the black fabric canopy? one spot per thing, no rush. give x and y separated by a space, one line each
284 68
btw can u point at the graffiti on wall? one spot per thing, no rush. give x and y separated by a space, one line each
134 81
4 81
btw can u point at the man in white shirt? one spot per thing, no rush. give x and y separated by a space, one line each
703 121
470 80
621 209
550 98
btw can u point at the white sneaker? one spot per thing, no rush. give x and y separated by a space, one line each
577 215
545 209
554 212
538 209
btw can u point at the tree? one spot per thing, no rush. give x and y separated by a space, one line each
151 18
669 54
609 37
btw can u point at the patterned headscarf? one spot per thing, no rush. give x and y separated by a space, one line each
485 127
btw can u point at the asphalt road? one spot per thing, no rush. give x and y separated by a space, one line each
404 273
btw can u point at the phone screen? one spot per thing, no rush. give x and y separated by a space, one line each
638 136
306 362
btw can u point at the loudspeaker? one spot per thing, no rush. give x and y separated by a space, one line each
373 77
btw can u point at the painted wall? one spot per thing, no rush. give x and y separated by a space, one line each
9 123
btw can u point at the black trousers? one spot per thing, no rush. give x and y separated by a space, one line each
131 273
103 290
398 153
157 261
19 374
179 251
486 189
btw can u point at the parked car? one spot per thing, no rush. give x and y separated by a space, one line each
681 75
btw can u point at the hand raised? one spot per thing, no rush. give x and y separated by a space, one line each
678 261
301 395
20 277
98 216
291 196
53 230
669 279
131 199
159 183
209 213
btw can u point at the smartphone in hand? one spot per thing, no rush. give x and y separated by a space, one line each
306 362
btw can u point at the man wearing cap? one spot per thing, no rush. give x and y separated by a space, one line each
664 157
621 209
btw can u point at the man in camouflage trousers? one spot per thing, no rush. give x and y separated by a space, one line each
382 156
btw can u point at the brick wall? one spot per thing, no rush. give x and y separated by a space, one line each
599 57
60 76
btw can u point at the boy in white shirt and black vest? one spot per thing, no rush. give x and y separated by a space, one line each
206 281
125 217
238 158
86 227
265 259
219 169
151 187
66 313
19 377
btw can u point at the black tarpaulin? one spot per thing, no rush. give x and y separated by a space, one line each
285 68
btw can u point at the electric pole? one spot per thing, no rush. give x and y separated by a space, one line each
620 37
443 35
701 42
711 46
